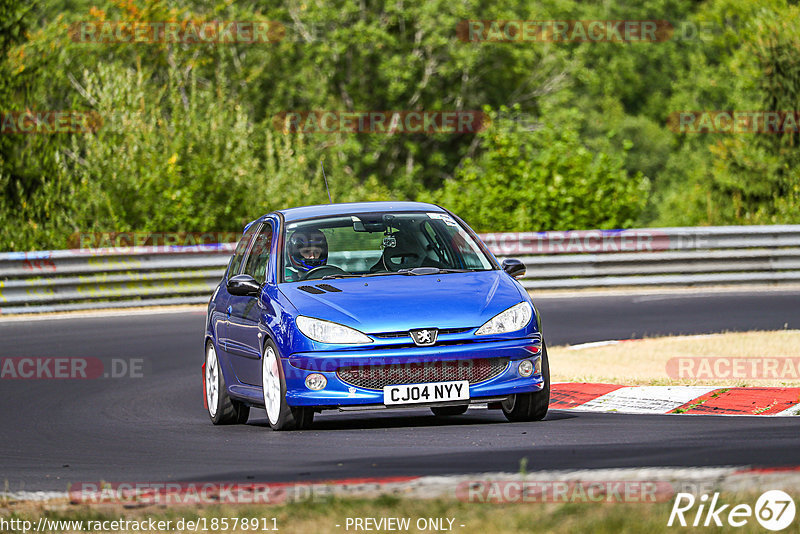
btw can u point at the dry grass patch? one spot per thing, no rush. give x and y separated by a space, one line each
645 362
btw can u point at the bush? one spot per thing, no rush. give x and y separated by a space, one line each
544 179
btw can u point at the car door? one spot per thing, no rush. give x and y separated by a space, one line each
244 331
222 310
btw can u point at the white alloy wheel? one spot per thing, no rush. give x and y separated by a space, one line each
271 382
212 380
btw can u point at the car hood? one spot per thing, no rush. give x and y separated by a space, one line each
396 303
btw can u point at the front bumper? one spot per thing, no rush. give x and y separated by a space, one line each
340 394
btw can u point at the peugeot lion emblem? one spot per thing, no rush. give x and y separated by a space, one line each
424 336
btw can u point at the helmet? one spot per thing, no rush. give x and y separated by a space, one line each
308 249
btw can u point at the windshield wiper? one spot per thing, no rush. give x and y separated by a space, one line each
381 273
417 271
386 273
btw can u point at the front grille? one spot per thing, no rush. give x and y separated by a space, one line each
378 376
397 335
391 335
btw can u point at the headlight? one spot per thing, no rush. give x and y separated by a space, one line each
328 332
516 317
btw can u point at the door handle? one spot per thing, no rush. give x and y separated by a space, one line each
229 310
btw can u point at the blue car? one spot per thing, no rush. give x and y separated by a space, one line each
370 305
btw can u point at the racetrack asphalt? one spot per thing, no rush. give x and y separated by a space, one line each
155 429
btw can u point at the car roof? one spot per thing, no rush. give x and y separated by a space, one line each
354 208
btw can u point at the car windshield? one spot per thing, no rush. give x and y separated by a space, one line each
378 244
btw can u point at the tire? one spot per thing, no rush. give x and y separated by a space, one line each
445 411
280 415
222 409
530 406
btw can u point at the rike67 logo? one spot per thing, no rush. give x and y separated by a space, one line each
774 510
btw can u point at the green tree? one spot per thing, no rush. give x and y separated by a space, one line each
545 179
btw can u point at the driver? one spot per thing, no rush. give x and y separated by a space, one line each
307 249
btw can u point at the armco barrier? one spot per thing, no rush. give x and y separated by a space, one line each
61 280
84 279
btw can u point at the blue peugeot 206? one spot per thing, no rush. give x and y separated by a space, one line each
370 305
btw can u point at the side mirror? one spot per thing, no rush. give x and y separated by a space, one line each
243 285
514 267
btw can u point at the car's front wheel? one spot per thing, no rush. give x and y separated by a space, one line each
530 406
222 409
280 415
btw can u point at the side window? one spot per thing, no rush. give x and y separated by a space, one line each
258 259
241 248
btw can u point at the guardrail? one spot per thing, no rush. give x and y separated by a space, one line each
654 256
64 280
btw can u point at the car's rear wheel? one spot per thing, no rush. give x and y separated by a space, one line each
222 409
445 411
280 415
530 406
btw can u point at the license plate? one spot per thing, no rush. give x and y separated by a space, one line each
431 392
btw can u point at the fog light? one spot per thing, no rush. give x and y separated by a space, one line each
316 381
525 368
